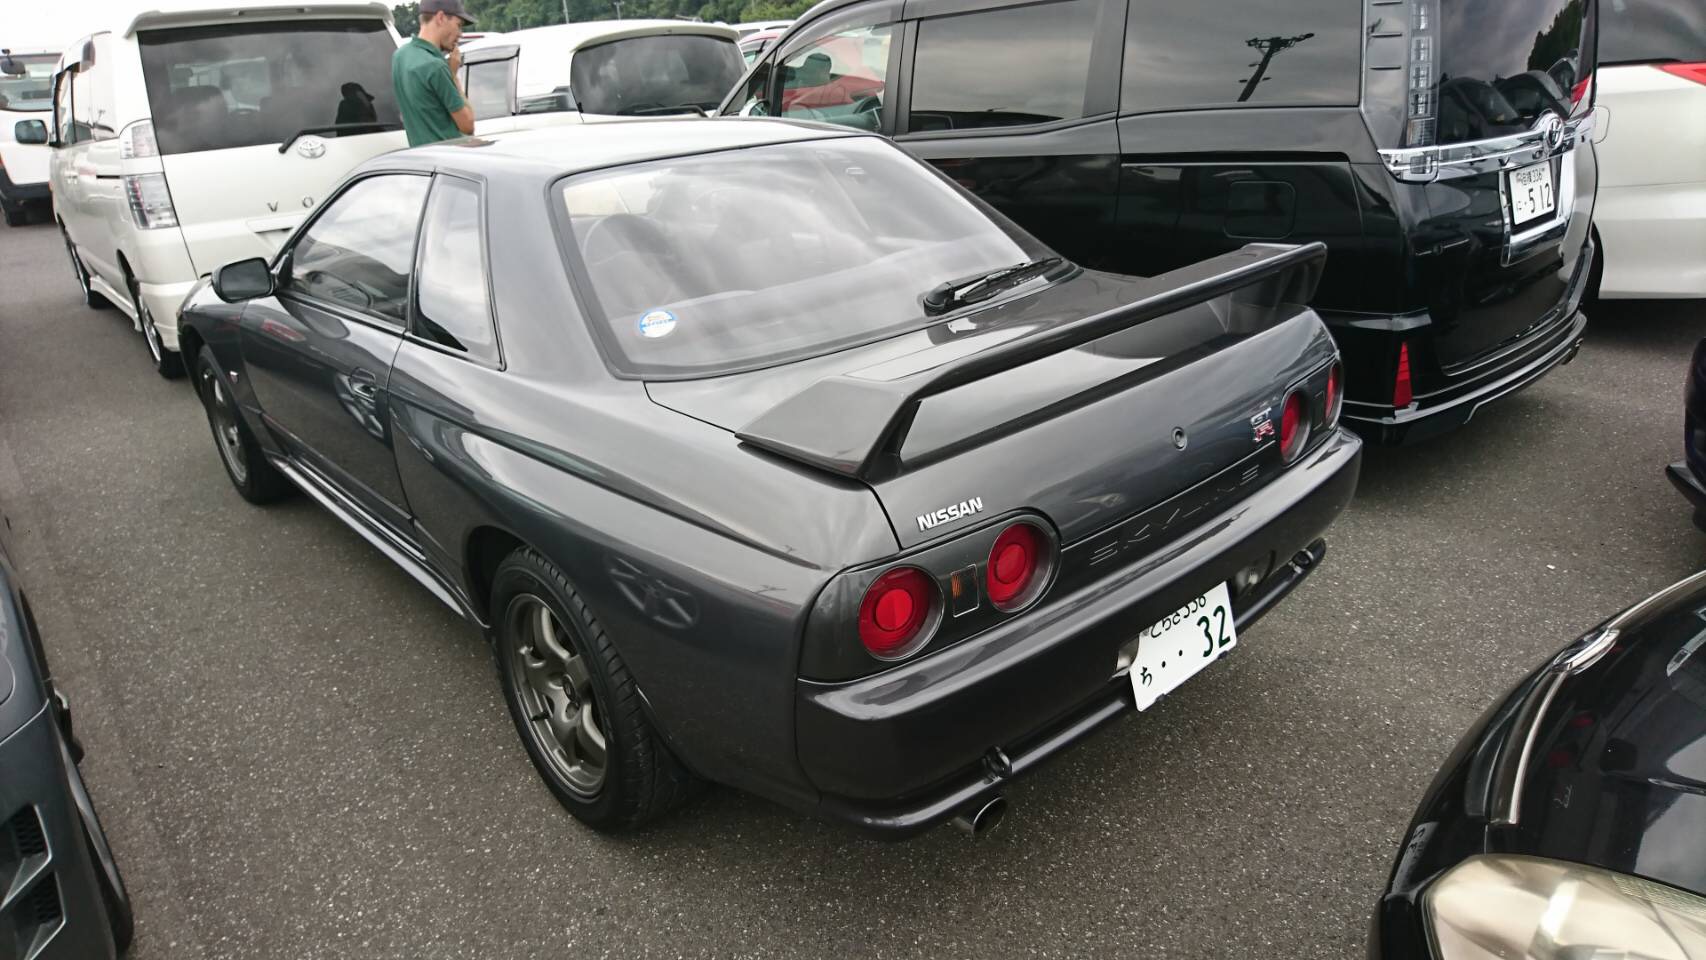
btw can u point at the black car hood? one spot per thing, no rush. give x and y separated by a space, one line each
1617 775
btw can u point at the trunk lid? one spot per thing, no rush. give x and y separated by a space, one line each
1088 401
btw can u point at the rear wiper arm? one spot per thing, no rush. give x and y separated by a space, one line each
981 286
374 126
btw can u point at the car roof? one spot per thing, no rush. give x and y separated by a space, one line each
569 37
551 152
172 13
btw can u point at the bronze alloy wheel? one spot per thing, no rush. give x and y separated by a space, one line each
554 688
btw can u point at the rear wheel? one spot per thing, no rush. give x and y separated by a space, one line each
90 297
574 703
167 363
255 479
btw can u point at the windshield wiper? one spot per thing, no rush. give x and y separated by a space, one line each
373 126
981 286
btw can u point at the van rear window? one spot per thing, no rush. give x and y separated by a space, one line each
214 88
1502 65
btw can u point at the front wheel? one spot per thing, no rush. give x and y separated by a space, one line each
255 479
574 703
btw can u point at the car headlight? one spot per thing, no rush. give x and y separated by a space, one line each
1497 906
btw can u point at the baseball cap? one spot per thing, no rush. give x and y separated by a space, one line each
452 7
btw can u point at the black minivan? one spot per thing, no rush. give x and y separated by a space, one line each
1440 148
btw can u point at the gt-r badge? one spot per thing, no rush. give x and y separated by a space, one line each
1262 425
953 511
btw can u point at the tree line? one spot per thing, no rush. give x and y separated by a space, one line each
505 15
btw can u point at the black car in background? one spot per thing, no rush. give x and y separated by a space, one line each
61 896
1688 475
767 456
1437 147
1571 822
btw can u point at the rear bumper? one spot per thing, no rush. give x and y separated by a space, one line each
909 748
51 899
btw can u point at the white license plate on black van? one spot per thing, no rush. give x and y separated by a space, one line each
1530 190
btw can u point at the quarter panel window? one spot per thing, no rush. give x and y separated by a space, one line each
1224 53
1006 67
488 88
451 284
841 78
359 252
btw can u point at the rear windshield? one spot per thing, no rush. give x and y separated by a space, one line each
652 75
212 88
33 91
1502 65
1648 31
720 262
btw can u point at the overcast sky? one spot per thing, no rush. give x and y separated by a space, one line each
54 24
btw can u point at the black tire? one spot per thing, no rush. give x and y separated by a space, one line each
91 299
121 917
167 363
641 779
255 479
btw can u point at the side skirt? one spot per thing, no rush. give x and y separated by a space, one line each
401 552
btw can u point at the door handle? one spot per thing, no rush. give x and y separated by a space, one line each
363 383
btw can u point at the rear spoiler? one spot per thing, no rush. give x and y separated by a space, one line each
871 417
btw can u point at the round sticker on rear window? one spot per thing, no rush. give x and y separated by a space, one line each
657 323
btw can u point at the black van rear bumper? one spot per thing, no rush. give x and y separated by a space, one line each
1454 398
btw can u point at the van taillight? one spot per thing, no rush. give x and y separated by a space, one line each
1401 392
899 613
1018 567
1579 92
1687 71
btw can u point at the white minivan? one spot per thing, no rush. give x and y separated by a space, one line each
193 135
26 103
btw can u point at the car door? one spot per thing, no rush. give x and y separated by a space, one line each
841 69
318 353
1016 103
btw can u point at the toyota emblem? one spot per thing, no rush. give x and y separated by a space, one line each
310 148
1553 132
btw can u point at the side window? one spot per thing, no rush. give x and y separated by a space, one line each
488 85
65 131
359 252
90 104
451 282
752 100
1006 67
840 78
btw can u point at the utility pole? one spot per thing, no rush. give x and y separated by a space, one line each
1269 46
565 11
618 4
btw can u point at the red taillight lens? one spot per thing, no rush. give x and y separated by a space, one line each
1018 565
1294 426
1401 394
1687 71
1579 92
896 611
1335 392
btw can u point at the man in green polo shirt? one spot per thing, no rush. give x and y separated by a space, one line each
428 94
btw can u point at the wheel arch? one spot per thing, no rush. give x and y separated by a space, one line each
485 548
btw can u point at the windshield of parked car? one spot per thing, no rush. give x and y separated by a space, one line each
721 262
32 92
213 88
642 76
1502 65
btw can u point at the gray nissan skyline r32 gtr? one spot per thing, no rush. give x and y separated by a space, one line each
766 455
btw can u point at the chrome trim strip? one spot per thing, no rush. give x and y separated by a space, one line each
1550 136
1508 778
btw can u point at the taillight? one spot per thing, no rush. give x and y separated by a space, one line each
1294 426
1401 393
1018 566
1687 71
1335 392
1579 92
898 613
150 201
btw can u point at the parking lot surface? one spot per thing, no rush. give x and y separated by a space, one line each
299 753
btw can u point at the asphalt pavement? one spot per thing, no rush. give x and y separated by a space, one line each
299 753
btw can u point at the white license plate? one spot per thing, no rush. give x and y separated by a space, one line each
1530 189
1172 651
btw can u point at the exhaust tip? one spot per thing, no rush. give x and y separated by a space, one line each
978 822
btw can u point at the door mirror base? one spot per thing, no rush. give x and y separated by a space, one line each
243 280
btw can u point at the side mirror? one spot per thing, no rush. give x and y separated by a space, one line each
29 131
243 280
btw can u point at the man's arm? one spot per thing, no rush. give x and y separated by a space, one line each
448 86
